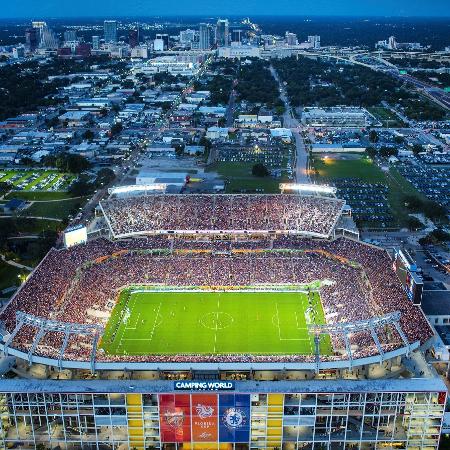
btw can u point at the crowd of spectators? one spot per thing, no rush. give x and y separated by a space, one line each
287 213
81 285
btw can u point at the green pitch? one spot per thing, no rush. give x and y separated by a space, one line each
202 322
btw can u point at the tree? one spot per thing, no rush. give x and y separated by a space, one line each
413 202
371 152
80 188
373 136
414 223
88 135
179 149
417 148
104 177
5 187
27 161
116 128
434 210
260 170
388 151
72 163
436 237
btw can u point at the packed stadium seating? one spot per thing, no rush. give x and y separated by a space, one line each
214 213
70 284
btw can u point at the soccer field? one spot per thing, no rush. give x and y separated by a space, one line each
202 322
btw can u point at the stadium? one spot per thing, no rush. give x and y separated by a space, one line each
259 290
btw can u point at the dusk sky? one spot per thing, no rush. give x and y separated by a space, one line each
109 8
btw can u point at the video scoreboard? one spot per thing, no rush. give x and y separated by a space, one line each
406 270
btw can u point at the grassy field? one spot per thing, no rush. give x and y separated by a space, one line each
386 117
55 209
361 168
205 322
9 275
238 178
39 196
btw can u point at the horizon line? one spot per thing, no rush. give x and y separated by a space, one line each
132 16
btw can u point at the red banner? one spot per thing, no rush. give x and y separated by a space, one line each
175 417
204 417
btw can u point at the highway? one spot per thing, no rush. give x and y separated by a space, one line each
289 121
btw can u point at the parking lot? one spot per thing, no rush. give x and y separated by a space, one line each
432 181
369 201
37 180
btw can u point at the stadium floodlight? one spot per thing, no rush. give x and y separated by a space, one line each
317 188
138 188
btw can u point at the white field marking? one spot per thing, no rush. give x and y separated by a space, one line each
154 323
136 324
278 321
124 327
217 323
279 329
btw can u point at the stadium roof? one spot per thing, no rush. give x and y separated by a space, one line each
308 386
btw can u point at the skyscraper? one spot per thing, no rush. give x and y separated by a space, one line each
110 30
222 33
164 38
133 38
31 39
49 40
291 38
39 27
314 41
236 36
95 42
392 43
205 37
70 35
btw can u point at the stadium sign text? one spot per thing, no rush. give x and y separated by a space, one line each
204 385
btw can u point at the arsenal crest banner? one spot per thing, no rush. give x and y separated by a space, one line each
175 417
204 417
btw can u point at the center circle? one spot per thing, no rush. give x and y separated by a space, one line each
216 320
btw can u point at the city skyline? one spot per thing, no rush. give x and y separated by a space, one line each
110 8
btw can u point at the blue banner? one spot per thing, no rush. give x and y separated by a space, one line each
234 418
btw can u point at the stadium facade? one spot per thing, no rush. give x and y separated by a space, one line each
336 414
375 389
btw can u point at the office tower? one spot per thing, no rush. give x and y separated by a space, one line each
314 41
70 36
18 52
205 37
49 40
110 30
187 36
31 39
392 43
222 33
39 26
158 45
165 39
291 38
236 36
95 42
133 38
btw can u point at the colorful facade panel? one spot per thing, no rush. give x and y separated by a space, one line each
175 417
